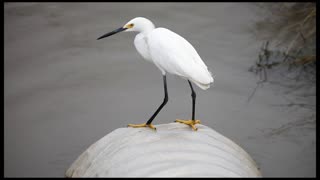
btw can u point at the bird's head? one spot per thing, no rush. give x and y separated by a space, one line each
138 24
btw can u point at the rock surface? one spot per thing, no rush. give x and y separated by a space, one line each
174 150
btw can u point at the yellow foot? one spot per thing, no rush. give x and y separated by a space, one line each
142 125
191 123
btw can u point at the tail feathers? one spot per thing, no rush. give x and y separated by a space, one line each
203 81
211 76
199 76
203 86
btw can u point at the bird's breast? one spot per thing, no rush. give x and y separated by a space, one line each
142 47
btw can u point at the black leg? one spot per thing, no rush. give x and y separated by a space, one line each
193 95
165 100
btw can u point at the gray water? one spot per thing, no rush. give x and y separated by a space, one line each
64 90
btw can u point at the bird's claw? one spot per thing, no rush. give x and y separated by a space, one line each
142 125
191 123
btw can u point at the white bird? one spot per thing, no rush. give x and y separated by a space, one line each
172 54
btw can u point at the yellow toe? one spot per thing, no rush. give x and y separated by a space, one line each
191 123
142 125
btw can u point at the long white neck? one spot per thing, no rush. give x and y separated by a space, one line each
146 28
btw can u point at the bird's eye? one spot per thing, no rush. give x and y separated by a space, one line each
130 25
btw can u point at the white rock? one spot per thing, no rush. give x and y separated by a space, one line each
174 150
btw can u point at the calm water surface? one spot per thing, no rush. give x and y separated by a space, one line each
64 90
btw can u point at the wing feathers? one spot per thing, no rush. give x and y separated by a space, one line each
177 56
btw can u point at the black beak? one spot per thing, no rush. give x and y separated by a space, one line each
112 33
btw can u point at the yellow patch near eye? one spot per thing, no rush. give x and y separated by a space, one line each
129 26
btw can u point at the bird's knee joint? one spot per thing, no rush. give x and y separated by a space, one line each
166 99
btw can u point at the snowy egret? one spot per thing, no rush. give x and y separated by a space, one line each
172 54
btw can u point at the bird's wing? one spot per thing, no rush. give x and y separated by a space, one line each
176 55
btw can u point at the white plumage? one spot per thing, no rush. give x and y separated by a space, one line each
169 52
172 54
